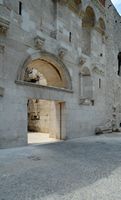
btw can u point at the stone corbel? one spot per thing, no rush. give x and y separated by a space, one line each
62 52
82 61
4 25
39 42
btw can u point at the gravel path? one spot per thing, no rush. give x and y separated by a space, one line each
82 169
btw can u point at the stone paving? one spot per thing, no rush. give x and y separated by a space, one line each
82 169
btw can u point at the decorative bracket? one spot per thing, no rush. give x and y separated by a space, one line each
39 42
62 52
82 61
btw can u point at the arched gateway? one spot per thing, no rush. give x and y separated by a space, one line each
50 83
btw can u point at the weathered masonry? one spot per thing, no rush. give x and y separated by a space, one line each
59 68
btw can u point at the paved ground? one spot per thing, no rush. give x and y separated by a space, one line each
83 169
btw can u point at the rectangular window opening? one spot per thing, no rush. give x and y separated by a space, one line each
70 36
99 83
20 8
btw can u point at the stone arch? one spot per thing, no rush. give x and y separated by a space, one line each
46 65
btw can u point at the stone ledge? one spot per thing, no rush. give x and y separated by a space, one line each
19 82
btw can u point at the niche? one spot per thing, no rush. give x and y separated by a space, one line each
85 87
88 22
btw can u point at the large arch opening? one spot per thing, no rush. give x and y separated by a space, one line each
45 115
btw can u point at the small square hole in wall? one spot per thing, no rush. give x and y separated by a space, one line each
99 83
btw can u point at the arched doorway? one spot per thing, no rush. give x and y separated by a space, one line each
45 114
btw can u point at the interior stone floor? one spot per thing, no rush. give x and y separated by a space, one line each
40 138
82 169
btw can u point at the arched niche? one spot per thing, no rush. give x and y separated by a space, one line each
85 84
45 69
88 23
88 20
101 26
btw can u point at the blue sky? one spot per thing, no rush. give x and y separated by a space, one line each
117 4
